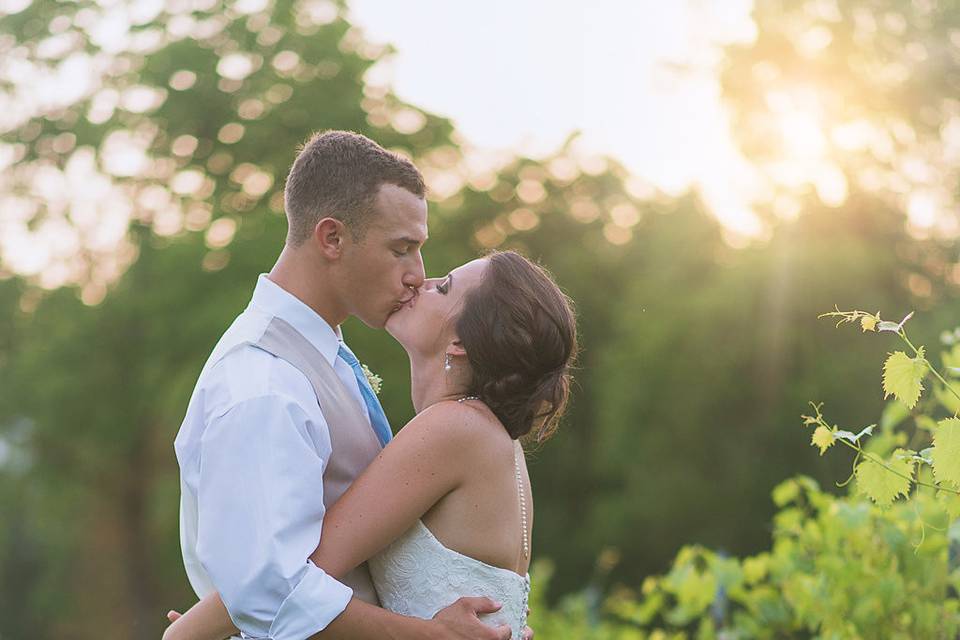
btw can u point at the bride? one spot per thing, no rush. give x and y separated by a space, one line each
446 509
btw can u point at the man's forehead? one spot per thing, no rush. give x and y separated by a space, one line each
401 214
404 230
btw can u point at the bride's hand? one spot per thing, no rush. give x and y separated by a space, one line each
206 620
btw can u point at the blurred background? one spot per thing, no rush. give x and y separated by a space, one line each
703 178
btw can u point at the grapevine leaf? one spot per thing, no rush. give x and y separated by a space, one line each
881 484
755 569
893 414
892 326
868 323
950 502
823 438
926 423
946 399
902 376
951 358
855 437
946 452
785 492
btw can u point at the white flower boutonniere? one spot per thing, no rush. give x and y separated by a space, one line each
375 381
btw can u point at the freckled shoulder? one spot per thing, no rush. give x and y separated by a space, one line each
458 427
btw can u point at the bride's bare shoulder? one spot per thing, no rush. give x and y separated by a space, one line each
469 425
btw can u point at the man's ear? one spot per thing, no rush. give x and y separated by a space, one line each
455 348
329 236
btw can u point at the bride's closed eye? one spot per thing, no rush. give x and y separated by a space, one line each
444 286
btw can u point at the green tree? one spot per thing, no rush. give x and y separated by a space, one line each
193 115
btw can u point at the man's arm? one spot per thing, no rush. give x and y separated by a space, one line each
208 620
260 505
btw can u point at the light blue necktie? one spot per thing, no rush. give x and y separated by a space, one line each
378 419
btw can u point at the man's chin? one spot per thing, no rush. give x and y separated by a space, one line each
393 322
390 321
377 321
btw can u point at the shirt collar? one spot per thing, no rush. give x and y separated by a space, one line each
273 299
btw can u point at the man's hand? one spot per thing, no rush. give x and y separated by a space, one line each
459 621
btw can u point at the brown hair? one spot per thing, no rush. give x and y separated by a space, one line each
519 331
337 174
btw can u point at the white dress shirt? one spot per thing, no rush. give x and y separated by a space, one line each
252 450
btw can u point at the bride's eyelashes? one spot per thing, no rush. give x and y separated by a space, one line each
444 286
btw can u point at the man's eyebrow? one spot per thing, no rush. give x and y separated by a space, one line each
408 240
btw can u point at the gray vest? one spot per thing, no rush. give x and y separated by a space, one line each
353 441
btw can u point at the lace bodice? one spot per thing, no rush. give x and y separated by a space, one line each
417 576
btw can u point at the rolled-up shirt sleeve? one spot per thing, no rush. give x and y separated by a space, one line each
260 500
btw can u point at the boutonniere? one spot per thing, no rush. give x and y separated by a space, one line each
375 381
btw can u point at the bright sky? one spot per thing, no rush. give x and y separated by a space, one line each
638 79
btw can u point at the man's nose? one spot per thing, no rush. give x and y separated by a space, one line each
415 276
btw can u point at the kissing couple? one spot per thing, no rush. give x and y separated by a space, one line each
301 515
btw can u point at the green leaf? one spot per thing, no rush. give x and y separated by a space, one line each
823 438
755 569
854 437
951 358
893 414
950 502
946 399
785 492
882 485
946 452
926 423
902 376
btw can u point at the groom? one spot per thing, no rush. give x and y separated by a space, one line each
282 418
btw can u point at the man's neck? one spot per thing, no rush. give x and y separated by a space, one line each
294 274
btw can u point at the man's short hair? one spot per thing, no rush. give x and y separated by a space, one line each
337 175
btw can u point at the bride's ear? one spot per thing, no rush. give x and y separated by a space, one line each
455 348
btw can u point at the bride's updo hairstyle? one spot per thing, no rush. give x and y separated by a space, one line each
520 335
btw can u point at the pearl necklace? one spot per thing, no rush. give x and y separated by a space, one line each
523 502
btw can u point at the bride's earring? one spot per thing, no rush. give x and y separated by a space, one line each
446 363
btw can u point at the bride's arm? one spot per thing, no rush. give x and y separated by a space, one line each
422 464
206 620
427 460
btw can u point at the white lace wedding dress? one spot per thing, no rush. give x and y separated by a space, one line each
417 576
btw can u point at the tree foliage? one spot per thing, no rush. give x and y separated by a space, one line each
697 355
